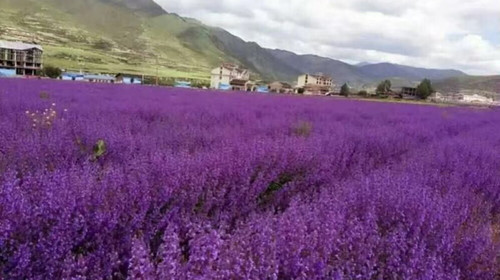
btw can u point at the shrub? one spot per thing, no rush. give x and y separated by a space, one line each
103 44
51 71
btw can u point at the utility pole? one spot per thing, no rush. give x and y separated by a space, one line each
157 70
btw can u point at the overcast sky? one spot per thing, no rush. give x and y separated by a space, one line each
460 34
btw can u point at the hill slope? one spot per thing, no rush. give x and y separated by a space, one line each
112 36
481 84
384 70
362 73
341 71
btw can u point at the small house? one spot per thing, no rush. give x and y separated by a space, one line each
98 78
182 84
280 87
71 76
127 79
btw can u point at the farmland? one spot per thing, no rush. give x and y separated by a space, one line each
114 181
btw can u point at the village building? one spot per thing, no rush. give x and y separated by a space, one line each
127 79
182 84
71 76
318 84
230 76
280 87
98 78
18 58
409 91
478 99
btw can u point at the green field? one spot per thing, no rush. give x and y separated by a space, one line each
97 36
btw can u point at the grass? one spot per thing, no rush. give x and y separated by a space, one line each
68 31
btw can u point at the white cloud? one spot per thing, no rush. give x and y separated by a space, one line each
425 33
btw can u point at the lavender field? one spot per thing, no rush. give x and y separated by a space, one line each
126 182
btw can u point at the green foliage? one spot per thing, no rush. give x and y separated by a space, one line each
344 90
425 89
384 87
363 93
266 196
162 81
52 71
301 91
103 44
99 149
200 84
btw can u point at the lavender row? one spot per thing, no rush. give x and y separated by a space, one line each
116 182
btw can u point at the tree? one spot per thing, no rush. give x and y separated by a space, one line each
52 72
344 90
424 89
301 91
384 87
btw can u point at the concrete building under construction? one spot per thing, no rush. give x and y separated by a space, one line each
21 58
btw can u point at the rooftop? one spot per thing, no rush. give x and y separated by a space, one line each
19 46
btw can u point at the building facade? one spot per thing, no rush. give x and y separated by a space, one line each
315 84
409 91
24 59
280 87
478 99
229 76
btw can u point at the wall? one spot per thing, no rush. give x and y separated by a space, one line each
7 72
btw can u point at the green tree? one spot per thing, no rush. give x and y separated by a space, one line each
384 87
52 71
363 93
425 89
344 90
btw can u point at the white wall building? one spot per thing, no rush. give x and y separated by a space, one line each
221 77
315 84
320 80
476 98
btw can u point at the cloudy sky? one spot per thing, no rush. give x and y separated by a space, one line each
445 34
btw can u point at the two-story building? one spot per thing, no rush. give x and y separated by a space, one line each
315 84
229 76
21 58
280 87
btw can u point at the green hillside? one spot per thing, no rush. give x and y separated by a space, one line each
110 36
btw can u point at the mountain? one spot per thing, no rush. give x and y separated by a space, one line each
362 64
255 57
484 85
341 71
139 37
147 7
388 70
361 74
